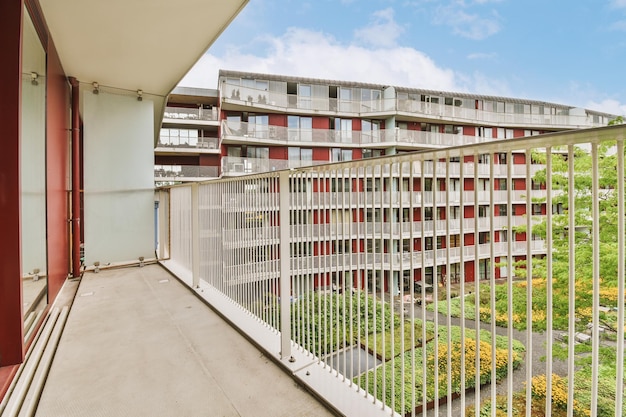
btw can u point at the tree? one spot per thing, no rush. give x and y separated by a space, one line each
583 222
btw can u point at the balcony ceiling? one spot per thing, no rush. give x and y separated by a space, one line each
148 45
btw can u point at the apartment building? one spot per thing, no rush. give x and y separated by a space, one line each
256 123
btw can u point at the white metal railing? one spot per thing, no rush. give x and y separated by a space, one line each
181 144
191 113
249 96
236 165
184 172
383 314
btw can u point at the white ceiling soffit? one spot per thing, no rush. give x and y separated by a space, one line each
135 44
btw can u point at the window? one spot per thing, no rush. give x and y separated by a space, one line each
301 249
483 211
502 158
455 212
300 128
300 154
342 246
502 184
484 158
484 271
535 185
440 241
504 235
483 237
298 217
372 184
372 153
339 155
502 209
536 209
370 131
340 184
259 152
428 243
428 184
428 213
557 208
406 245
455 241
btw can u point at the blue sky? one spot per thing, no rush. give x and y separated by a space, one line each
568 52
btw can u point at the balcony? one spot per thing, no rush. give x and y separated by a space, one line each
238 97
171 145
370 325
190 116
236 166
183 173
347 303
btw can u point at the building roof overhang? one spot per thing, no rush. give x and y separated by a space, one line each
135 45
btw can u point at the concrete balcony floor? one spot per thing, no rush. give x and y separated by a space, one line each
137 342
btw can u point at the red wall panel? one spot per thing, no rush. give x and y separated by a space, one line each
278 152
277 120
57 166
320 154
320 123
11 333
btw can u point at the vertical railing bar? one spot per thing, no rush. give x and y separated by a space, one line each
595 341
392 280
447 283
571 353
435 284
492 287
510 265
346 228
311 248
195 236
477 259
462 284
549 294
529 283
367 260
285 272
412 278
621 256
423 278
321 213
382 284
401 204
338 195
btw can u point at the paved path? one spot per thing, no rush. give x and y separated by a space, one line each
536 360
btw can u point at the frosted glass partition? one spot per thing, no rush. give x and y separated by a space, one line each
118 178
33 176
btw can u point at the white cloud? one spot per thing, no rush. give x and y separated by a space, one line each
608 106
618 3
482 55
467 25
307 53
383 31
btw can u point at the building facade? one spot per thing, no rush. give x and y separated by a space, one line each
257 123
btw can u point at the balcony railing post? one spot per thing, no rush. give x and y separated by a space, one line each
195 236
285 270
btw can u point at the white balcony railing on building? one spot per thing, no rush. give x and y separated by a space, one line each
175 173
191 113
248 96
382 313
178 144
